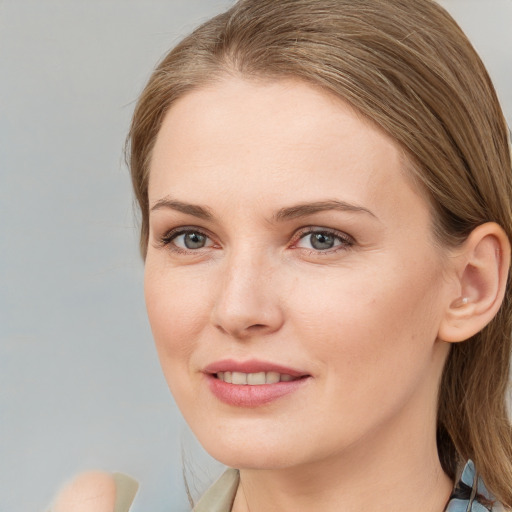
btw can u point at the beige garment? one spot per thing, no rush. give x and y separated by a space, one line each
126 489
218 498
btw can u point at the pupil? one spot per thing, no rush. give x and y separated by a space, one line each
322 241
194 240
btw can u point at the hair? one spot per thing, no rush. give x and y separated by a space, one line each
408 67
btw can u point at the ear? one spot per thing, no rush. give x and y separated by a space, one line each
481 266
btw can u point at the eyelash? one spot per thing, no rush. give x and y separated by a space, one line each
346 241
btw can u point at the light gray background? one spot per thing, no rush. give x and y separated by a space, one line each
80 384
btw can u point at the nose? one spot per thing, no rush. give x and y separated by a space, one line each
247 302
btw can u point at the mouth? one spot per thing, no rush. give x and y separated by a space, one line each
252 383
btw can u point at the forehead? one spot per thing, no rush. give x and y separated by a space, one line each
285 110
271 139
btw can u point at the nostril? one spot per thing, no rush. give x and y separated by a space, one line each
244 332
256 327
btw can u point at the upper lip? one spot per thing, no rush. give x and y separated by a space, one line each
250 366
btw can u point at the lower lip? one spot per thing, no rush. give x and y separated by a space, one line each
240 395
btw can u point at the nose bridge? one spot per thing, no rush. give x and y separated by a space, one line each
247 301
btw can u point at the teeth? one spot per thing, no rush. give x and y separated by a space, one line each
254 379
272 377
239 378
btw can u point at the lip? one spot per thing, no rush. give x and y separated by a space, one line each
251 396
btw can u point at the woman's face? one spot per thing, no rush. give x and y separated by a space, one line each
292 282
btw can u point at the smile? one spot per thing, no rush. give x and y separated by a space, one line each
252 383
254 379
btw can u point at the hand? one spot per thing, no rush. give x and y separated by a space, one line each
97 491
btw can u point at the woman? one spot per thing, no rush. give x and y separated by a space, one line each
325 189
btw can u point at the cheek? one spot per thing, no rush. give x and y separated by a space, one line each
176 311
373 345
371 324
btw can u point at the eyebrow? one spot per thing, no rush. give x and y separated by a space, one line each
287 213
305 209
190 209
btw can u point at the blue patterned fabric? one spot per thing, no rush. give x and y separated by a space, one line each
468 493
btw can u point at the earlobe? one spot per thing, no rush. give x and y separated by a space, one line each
482 266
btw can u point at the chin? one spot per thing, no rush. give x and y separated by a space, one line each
254 458
241 450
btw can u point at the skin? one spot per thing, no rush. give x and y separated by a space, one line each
94 491
361 319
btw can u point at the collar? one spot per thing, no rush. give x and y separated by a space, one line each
220 496
466 497
469 493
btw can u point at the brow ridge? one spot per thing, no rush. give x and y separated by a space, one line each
283 214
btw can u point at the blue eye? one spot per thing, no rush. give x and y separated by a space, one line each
192 240
323 240
188 240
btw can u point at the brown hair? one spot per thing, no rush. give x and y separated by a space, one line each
407 66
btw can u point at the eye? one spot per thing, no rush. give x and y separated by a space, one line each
186 240
322 240
191 240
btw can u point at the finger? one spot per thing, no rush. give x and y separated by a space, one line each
89 492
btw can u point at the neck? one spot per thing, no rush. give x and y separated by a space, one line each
376 474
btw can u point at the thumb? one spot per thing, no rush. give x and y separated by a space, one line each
97 491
